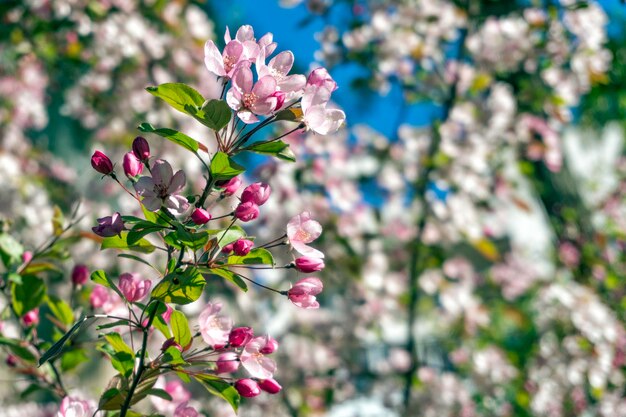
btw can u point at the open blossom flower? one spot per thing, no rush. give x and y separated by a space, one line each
303 293
73 407
214 328
301 230
315 114
183 410
109 226
255 362
133 287
162 188
291 86
242 49
249 99
320 77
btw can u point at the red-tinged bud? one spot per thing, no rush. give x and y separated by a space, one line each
200 216
242 247
247 388
308 264
11 361
31 318
247 211
231 186
228 248
27 256
239 336
258 193
270 386
171 343
109 226
101 163
132 165
80 275
270 346
227 363
141 149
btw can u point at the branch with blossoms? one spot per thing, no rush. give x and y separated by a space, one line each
201 235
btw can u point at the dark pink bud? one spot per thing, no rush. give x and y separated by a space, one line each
270 346
132 165
200 216
80 275
242 247
27 256
258 193
101 163
239 336
247 211
11 361
247 388
169 343
231 186
31 318
307 264
280 99
141 149
227 363
228 248
109 226
270 386
168 313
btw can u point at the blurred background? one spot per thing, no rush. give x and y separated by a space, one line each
473 206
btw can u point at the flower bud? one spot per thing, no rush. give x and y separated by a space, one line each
247 388
228 248
258 193
109 226
308 264
80 275
247 211
227 363
31 318
169 343
101 163
141 149
11 361
242 247
270 386
132 165
303 293
231 186
168 313
270 346
239 336
200 216
27 256
99 296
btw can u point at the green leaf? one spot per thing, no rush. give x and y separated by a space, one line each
180 328
10 250
61 310
27 295
117 389
172 135
121 242
180 288
116 323
160 324
220 388
228 275
135 258
215 114
224 168
292 114
122 356
229 235
191 240
142 229
173 356
56 349
100 277
161 393
254 257
18 349
57 221
72 359
276 148
180 96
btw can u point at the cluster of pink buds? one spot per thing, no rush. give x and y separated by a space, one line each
235 346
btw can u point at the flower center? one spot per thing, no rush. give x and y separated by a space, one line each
249 99
302 236
229 63
161 190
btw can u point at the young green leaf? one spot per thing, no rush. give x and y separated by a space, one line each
122 356
121 242
61 310
175 136
254 257
227 236
215 114
180 328
56 349
228 275
180 96
180 288
224 168
10 250
27 295
18 349
276 148
220 388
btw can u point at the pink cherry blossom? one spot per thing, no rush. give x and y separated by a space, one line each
315 114
291 86
162 188
320 77
133 287
303 293
98 297
213 327
223 64
73 407
255 362
249 99
301 230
